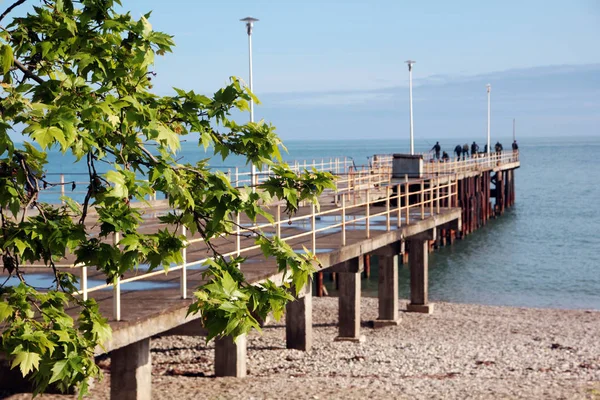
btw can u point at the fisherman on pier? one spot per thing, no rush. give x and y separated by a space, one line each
515 146
458 151
498 147
465 151
474 149
437 149
445 157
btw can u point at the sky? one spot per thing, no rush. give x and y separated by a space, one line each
355 45
335 69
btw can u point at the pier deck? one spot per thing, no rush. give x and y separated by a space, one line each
371 213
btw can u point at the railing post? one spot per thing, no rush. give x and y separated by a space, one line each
238 232
422 199
62 187
387 209
399 204
407 200
236 177
313 226
343 220
278 222
368 221
183 283
431 197
437 196
117 287
84 282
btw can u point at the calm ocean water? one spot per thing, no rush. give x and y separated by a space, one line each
544 252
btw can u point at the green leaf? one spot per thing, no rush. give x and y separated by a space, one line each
118 181
46 136
7 58
6 310
59 371
27 362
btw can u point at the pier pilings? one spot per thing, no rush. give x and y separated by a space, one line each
131 372
298 320
349 278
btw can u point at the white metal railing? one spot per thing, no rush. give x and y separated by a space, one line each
362 195
475 163
356 207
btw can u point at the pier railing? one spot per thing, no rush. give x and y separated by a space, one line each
364 201
433 166
70 184
474 163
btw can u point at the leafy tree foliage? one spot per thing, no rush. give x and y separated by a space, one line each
76 77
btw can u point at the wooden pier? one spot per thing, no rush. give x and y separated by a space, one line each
376 211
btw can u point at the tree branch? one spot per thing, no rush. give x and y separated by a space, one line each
9 9
27 72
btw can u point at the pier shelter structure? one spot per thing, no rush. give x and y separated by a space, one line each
396 209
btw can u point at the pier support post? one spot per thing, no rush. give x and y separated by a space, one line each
419 280
349 300
230 356
388 290
298 320
131 372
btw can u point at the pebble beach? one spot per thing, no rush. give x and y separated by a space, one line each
460 351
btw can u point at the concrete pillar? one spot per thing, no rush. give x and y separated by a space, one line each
230 356
419 281
131 372
388 291
298 321
349 300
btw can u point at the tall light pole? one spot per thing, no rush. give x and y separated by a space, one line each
410 108
249 25
489 90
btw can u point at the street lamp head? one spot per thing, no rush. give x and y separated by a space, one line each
489 87
249 23
410 63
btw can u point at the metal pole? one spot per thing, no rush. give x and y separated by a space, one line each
249 25
84 282
183 282
489 89
410 107
514 136
117 287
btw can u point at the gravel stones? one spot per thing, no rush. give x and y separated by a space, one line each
460 351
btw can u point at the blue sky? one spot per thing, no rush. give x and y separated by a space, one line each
355 45
335 69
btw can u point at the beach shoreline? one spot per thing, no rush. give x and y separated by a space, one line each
460 351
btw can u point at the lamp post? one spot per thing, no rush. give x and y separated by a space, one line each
249 25
489 90
410 107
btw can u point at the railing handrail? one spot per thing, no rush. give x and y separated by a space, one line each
353 192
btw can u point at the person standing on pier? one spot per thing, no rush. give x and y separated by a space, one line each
474 149
498 147
458 150
445 157
437 149
515 146
465 151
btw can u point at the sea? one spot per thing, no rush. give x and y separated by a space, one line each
543 252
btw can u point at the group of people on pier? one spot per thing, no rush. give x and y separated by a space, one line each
464 150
